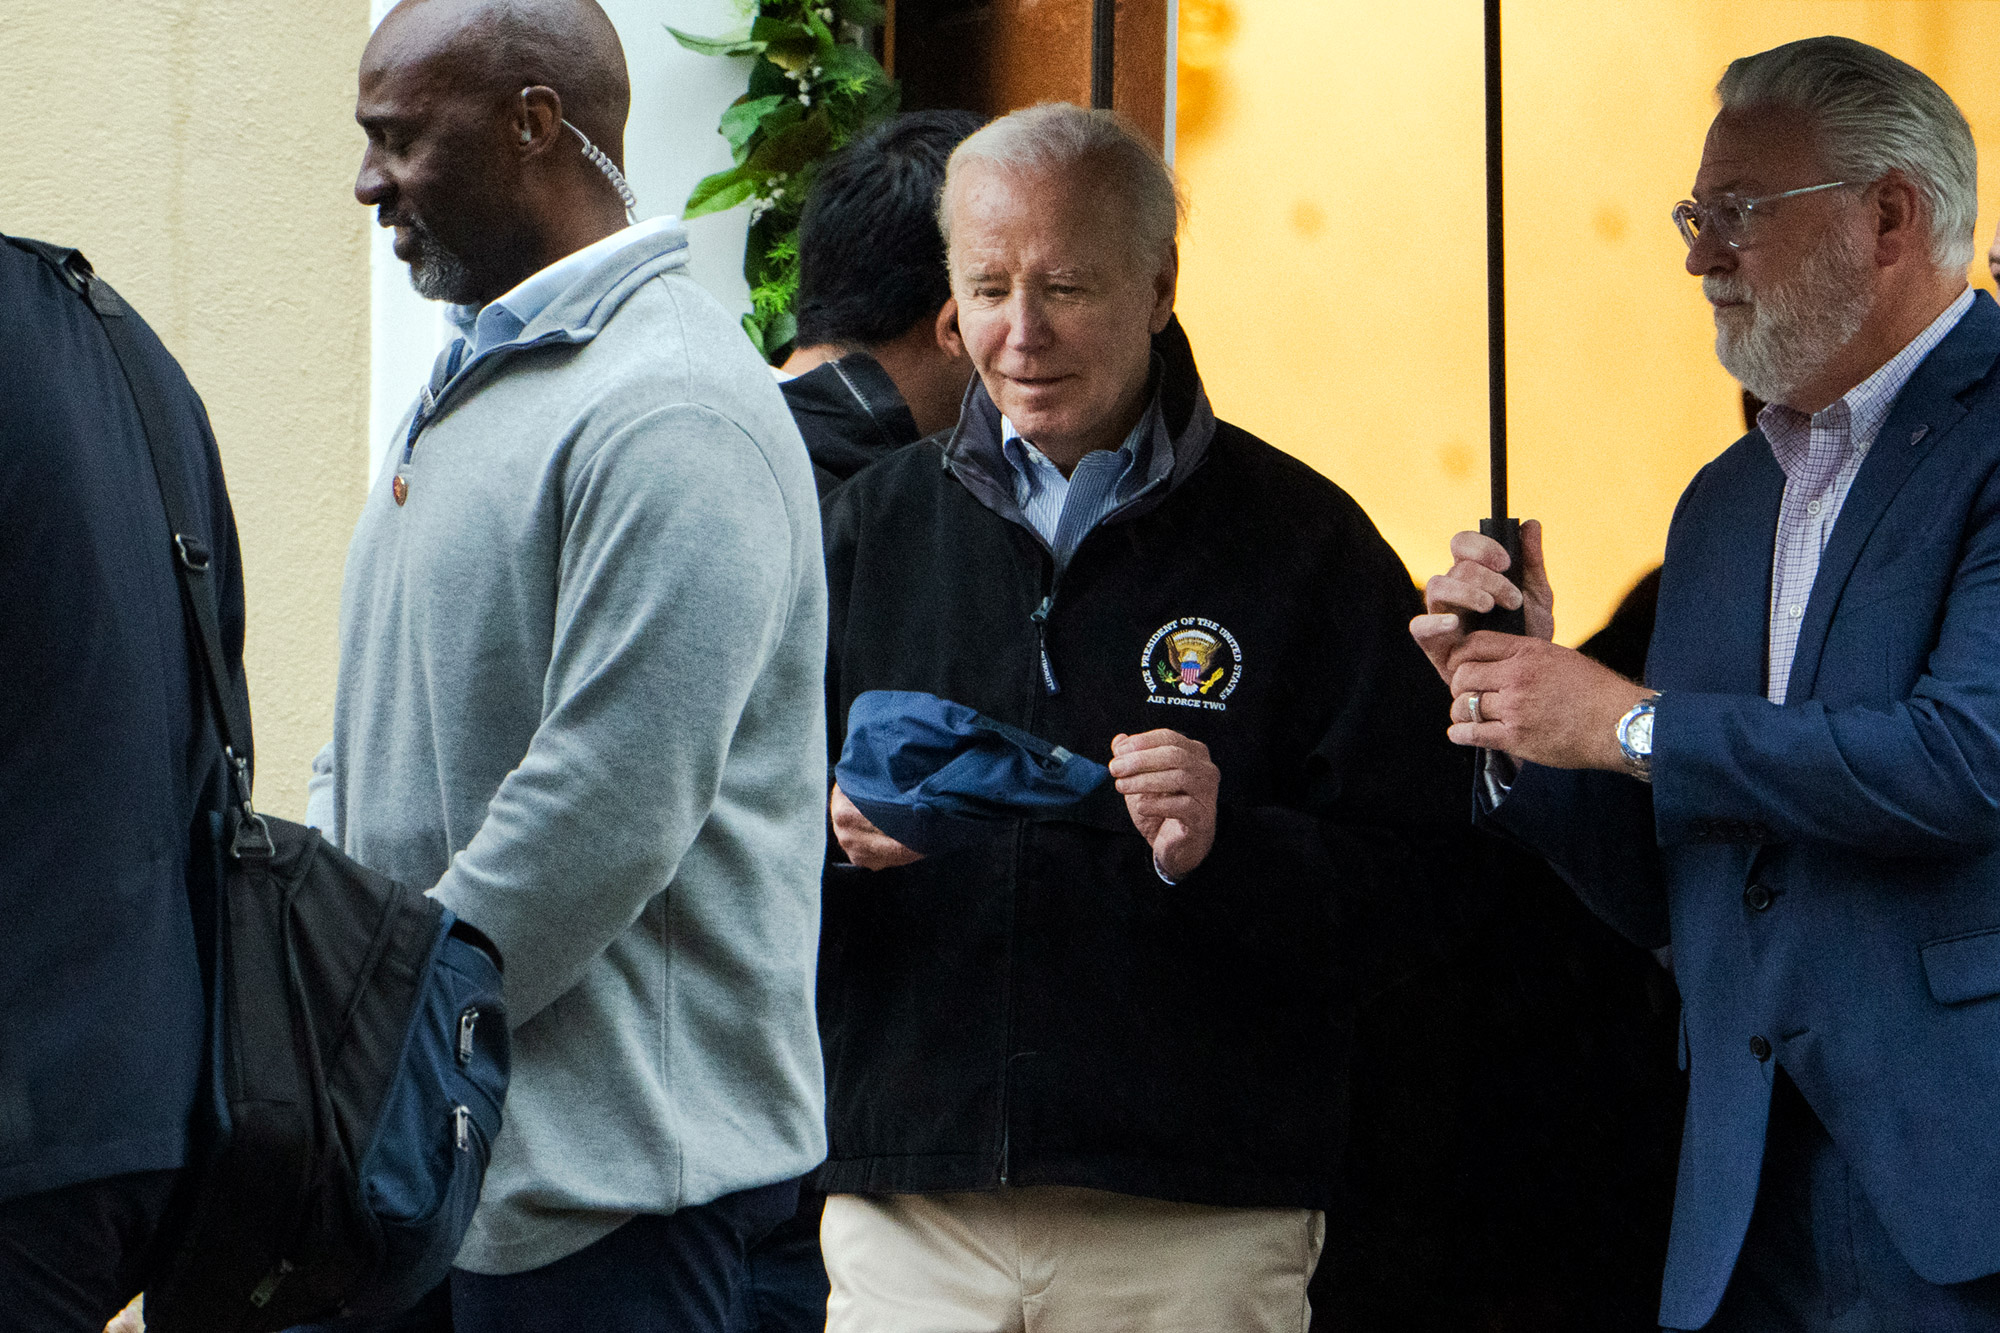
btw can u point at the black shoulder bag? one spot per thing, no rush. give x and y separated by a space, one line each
357 1047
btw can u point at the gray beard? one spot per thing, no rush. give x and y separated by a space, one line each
437 273
1796 328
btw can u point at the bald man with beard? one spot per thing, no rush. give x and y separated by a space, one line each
582 638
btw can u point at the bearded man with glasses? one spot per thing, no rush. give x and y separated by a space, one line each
1804 795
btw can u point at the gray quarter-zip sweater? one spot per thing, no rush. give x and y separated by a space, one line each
580 694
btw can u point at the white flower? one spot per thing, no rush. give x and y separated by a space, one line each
805 99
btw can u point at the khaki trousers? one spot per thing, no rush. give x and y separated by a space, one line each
1048 1259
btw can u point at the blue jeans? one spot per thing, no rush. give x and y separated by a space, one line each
1817 1259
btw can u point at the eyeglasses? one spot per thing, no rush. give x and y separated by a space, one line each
1726 218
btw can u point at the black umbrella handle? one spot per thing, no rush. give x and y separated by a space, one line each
1506 531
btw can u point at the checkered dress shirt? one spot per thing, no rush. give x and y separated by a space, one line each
1821 455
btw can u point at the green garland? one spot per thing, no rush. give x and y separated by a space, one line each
809 94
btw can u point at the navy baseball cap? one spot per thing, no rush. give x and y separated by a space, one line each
937 776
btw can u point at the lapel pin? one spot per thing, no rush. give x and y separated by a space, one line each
400 489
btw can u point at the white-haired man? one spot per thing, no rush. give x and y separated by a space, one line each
1091 1074
1820 725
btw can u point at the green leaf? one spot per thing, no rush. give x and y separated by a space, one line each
747 115
849 62
780 30
881 103
753 328
791 148
781 330
791 46
720 192
735 44
767 80
861 13
822 35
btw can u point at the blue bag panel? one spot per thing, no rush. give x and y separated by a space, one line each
422 1173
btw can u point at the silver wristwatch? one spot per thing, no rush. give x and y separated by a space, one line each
1635 739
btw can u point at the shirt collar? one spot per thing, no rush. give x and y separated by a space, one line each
1031 466
501 320
1862 410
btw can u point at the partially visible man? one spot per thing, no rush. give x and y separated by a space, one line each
1091 1074
109 773
1820 727
875 370
876 365
582 635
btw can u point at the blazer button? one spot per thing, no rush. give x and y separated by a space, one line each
1760 1048
1757 897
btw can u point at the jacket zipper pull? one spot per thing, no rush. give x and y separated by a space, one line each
1040 616
466 1022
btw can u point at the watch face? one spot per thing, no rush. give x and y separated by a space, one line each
1640 734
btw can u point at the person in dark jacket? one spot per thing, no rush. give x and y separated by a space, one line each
1095 1068
109 778
872 304
875 367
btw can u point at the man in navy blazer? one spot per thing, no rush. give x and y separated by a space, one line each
109 770
1804 796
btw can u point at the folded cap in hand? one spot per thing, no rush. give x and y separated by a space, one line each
937 776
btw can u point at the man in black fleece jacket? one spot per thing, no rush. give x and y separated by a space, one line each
872 370
1092 1073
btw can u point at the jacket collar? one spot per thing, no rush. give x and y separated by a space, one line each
1923 415
587 304
850 413
972 452
574 315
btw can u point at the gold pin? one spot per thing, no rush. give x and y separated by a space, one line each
400 489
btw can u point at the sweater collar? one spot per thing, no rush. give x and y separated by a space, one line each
505 318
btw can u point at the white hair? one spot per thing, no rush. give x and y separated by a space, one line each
1056 137
1873 114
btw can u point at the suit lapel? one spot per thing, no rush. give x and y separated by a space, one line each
1715 589
1924 412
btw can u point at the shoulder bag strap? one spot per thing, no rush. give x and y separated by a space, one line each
192 558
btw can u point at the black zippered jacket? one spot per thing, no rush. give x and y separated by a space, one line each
850 414
1043 1009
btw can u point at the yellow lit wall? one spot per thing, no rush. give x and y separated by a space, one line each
202 154
1333 274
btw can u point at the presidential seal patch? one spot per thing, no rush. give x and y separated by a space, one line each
1192 663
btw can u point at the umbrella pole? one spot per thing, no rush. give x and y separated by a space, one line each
1505 530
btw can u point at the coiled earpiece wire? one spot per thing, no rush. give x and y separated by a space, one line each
601 160
603 163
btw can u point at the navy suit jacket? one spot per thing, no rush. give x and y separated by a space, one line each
109 770
1828 871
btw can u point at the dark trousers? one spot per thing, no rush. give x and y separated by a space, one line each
1817 1260
71 1258
786 1288
681 1273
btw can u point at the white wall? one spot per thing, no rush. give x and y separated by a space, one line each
670 143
